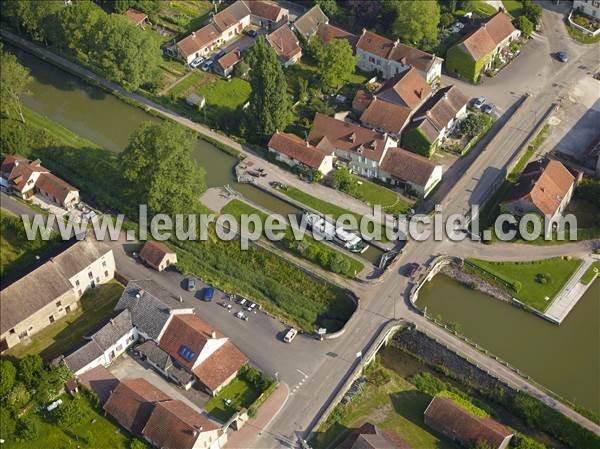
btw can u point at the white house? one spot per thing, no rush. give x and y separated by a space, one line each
413 172
376 53
588 7
292 150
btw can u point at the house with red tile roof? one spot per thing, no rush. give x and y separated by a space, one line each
227 25
138 18
157 255
476 51
435 119
27 178
286 45
361 149
164 422
203 351
389 58
292 150
227 62
413 172
460 425
544 187
390 107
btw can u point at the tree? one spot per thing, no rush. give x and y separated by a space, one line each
31 370
339 264
417 22
27 428
336 63
126 53
8 373
7 424
14 79
136 444
532 11
18 397
524 24
474 124
159 166
75 27
343 180
31 16
241 70
69 413
329 7
269 108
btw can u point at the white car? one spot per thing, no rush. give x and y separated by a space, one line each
196 62
290 335
241 316
479 102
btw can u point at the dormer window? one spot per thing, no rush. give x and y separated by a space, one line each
352 137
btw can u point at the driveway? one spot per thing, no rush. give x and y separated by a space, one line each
128 367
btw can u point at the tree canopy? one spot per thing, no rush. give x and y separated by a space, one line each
336 63
269 108
159 167
524 24
417 22
14 79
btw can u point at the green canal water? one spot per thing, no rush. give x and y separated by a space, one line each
564 358
109 122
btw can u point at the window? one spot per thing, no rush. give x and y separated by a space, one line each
104 263
51 318
79 292
58 303
91 275
97 279
106 274
12 331
371 59
77 283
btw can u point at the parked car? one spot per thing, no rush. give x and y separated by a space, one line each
488 108
412 269
208 294
290 335
207 65
218 55
225 305
562 56
241 315
478 102
251 33
196 62
191 284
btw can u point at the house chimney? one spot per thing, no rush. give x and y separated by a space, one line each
403 60
420 93
353 137
213 334
180 298
194 34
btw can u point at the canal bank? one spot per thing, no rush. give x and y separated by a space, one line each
553 355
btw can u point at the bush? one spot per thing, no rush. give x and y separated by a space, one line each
7 424
524 24
428 383
27 428
252 412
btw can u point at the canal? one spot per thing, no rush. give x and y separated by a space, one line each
564 358
109 122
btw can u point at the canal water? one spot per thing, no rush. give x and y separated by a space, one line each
109 122
564 358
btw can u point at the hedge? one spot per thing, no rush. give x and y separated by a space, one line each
415 141
459 62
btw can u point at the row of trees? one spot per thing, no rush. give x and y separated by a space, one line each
110 43
14 79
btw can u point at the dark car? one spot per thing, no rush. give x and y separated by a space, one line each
562 56
412 269
191 284
208 294
488 108
251 33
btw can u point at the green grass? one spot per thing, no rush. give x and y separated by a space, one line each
532 148
17 251
323 206
227 94
373 193
514 7
242 395
397 407
588 276
59 132
96 305
103 433
312 250
483 9
181 89
558 270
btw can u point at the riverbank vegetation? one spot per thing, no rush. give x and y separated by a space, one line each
18 252
534 283
308 248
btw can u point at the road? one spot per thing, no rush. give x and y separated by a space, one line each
314 370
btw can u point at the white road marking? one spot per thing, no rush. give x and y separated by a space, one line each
302 372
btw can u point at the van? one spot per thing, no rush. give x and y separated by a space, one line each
208 294
290 335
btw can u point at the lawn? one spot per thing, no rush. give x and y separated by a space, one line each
93 432
394 406
17 251
96 306
482 9
183 15
242 395
531 282
310 249
514 7
590 273
373 193
227 94
323 206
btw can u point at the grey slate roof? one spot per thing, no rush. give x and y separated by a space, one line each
308 24
112 331
84 355
150 311
46 283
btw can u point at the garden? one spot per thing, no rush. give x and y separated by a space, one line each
308 248
28 387
246 392
534 283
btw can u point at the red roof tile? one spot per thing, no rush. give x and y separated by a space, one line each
230 59
198 40
327 32
154 252
407 88
385 116
284 42
299 150
220 365
135 16
264 9
54 186
484 39
407 166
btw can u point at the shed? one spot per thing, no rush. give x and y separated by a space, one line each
194 99
158 255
